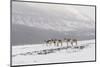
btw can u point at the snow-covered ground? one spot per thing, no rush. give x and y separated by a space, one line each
32 23
41 53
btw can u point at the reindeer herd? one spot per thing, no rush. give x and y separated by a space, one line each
59 42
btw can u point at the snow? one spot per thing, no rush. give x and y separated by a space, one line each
52 16
41 53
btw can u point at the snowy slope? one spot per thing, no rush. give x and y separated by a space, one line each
52 16
23 35
31 54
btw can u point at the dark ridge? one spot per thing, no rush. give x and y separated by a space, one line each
23 35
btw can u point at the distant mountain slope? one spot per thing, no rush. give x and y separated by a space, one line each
47 16
22 35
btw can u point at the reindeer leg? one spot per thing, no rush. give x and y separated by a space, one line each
61 44
67 44
49 43
72 44
54 43
57 43
76 43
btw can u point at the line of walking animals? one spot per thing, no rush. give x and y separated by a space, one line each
58 42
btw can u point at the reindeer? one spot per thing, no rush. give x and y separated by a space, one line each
48 42
54 41
51 41
74 41
67 40
59 42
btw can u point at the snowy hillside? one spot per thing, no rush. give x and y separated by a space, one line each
38 54
52 16
22 34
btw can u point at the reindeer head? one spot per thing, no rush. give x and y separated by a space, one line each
68 39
